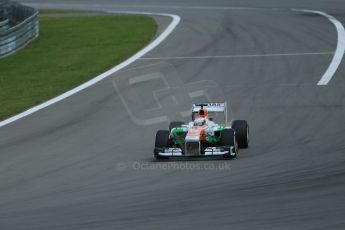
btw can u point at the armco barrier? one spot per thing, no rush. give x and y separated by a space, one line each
4 25
19 26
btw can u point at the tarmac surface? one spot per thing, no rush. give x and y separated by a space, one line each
86 162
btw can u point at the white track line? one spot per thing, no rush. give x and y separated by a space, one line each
238 56
175 21
339 52
102 6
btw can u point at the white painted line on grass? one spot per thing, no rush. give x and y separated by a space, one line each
339 52
175 21
238 56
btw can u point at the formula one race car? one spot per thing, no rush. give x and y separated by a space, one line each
203 136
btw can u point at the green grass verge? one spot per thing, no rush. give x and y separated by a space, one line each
61 11
68 52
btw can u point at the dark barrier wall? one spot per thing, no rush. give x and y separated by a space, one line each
18 26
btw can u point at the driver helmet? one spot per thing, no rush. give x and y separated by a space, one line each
202 112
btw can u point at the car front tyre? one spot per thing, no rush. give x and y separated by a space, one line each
241 128
161 142
228 139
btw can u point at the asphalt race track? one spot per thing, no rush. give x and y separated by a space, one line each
86 162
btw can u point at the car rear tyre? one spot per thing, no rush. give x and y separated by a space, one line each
161 142
175 124
242 132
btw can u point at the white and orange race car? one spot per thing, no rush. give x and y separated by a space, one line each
202 136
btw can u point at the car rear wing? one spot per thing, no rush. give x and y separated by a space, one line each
216 107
